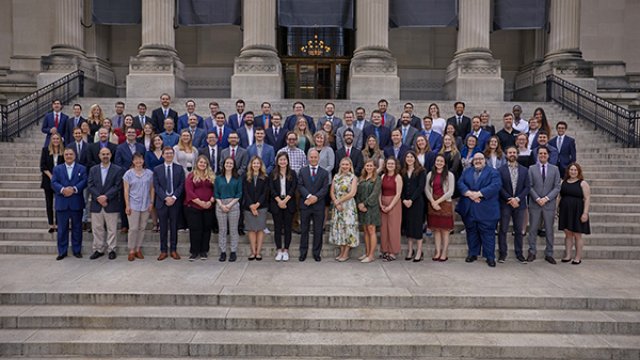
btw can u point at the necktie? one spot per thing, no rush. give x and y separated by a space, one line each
76 123
69 172
476 175
233 153
459 120
560 142
219 134
169 181
378 135
55 121
79 148
259 150
266 121
166 113
544 173
404 134
275 131
348 152
313 174
383 118
213 159
142 120
119 121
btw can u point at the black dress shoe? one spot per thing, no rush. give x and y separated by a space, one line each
471 259
491 262
521 259
223 256
317 258
95 255
550 260
52 230
112 255
302 257
233 257
502 259
216 230
542 233
60 257
78 255
531 257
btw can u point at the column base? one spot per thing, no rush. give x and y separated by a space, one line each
474 79
257 76
373 75
98 75
531 82
149 76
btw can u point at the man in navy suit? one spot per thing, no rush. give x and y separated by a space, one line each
105 186
513 203
164 111
93 157
247 133
222 130
313 185
198 136
479 207
435 139
262 150
481 134
298 111
168 182
124 158
54 122
397 149
566 146
382 133
415 121
543 140
276 135
81 148
212 151
210 121
459 121
237 120
73 122
142 118
183 120
263 120
351 151
68 182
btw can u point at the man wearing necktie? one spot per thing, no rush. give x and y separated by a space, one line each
55 122
168 182
159 115
74 122
566 146
263 120
118 119
141 119
313 187
262 150
459 121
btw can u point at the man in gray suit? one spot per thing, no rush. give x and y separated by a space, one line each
237 153
349 118
545 187
388 120
409 133
329 112
313 185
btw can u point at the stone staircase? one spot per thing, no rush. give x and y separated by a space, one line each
176 309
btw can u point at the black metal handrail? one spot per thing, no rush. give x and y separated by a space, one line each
27 111
622 124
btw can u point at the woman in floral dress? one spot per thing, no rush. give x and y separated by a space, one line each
344 229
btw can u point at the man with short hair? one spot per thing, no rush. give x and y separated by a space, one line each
297 158
543 140
141 120
198 136
435 139
276 134
263 120
236 120
159 115
235 151
480 134
387 119
169 137
566 147
298 111
262 150
210 121
329 115
519 123
313 185
534 127
513 203
74 121
105 187
246 133
508 134
183 120
54 122
351 151
361 119
222 130
348 121
168 182
212 151
479 208
68 182
117 120
415 121
93 154
397 149
409 133
461 122
545 187
382 133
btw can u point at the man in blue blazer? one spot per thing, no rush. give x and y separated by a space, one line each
276 135
566 146
397 149
477 131
222 130
313 185
105 186
183 120
247 133
68 182
198 135
55 122
479 207
298 111
435 139
264 120
513 203
73 122
168 182
237 120
382 133
210 121
262 150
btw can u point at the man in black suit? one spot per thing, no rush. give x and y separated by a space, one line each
566 146
513 203
276 134
461 122
415 121
349 150
105 187
164 111
298 111
142 118
73 122
93 157
382 133
168 181
313 185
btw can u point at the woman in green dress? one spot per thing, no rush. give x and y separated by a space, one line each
344 215
367 198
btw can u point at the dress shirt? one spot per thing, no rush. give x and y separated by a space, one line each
513 171
283 186
559 142
104 170
360 124
78 147
70 170
132 147
249 135
532 136
227 190
168 170
276 131
259 148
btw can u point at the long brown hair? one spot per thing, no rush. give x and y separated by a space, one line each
275 173
445 171
417 167
487 150
363 174
60 146
262 173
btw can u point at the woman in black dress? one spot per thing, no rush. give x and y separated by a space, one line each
49 158
413 181
573 212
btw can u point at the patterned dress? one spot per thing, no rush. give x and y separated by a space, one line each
344 227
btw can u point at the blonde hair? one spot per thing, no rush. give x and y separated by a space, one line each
306 133
200 175
346 159
60 146
262 173
100 117
454 148
182 146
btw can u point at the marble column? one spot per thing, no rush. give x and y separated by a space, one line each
473 73
157 68
373 72
257 71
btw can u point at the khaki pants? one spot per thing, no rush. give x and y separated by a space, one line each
137 225
98 223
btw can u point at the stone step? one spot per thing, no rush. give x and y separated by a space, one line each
165 343
615 190
38 203
20 185
36 175
319 319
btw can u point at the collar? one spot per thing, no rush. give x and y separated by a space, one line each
105 167
70 166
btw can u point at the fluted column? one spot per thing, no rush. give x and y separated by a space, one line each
473 30
564 35
68 36
373 71
257 71
158 35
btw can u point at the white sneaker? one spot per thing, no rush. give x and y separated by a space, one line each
285 256
279 256
266 231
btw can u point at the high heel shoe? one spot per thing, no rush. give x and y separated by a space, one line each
420 258
565 260
435 257
409 256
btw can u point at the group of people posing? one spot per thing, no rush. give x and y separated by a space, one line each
380 175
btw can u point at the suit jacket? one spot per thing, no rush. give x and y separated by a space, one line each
243 134
83 157
139 124
46 164
183 122
199 138
489 184
279 142
124 157
411 135
111 188
259 121
388 151
212 162
490 129
337 122
223 141
318 187
550 187
483 139
160 184
567 154
61 180
242 159
522 187
385 135
553 154
70 125
416 122
208 124
435 140
465 125
93 157
291 187
357 137
157 119
232 121
258 193
117 121
356 158
389 121
290 123
49 122
268 155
